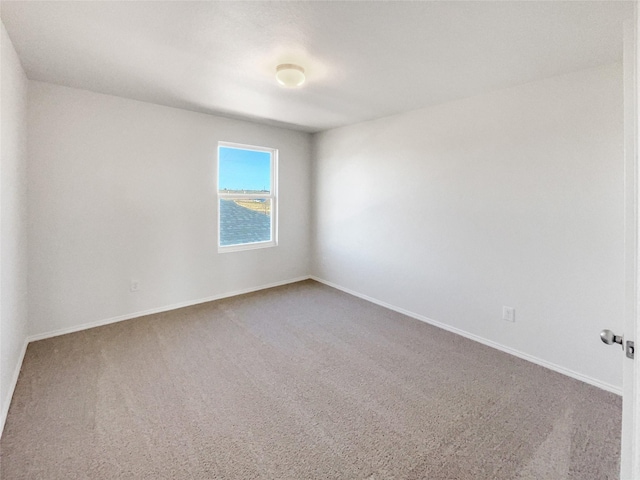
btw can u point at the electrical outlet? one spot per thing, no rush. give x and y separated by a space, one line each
509 314
134 286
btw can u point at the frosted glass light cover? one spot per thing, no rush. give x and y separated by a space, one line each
290 75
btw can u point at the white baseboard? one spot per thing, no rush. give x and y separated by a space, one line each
12 386
129 316
484 341
471 336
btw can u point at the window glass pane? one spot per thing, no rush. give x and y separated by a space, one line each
245 221
243 171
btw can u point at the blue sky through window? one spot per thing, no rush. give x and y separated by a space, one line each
243 169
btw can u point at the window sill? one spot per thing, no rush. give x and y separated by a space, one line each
246 246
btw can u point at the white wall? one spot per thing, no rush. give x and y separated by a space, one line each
511 198
13 219
121 190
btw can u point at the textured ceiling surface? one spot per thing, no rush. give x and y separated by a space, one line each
363 60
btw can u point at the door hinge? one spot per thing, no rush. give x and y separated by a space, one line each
631 350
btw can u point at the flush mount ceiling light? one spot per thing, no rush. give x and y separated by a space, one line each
290 75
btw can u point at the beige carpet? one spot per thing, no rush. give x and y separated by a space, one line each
298 382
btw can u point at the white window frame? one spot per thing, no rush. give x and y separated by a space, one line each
272 196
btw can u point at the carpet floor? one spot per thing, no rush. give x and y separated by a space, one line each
298 382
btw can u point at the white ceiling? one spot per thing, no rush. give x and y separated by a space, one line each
364 60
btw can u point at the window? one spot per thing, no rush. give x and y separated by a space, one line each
247 202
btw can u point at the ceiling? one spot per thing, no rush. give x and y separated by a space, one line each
363 60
